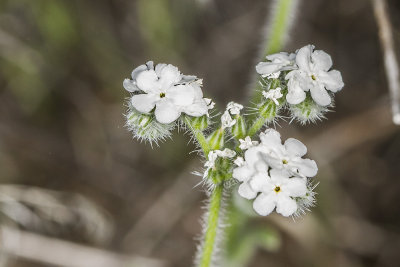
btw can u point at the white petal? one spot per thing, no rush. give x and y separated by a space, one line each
303 57
130 86
321 60
180 95
264 204
166 112
278 176
169 75
197 90
144 102
261 166
265 68
246 191
296 187
261 183
159 67
320 95
279 57
295 147
295 94
286 206
306 167
197 109
332 80
147 81
138 70
242 173
271 138
252 156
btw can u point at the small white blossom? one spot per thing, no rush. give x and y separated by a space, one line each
239 161
210 103
313 75
276 62
273 94
286 157
274 75
226 120
277 190
234 108
247 143
214 154
167 90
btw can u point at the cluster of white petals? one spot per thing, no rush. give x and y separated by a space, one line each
246 143
231 109
234 108
213 156
273 94
166 90
308 71
275 174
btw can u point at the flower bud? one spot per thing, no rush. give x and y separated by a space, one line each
199 123
239 129
308 111
268 110
146 127
216 139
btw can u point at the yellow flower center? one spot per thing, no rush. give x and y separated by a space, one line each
277 189
284 161
162 95
313 77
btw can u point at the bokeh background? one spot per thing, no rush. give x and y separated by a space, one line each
75 188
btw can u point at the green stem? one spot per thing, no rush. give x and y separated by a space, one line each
213 219
279 26
199 136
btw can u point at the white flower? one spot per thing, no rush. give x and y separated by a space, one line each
166 89
234 108
253 165
210 103
277 62
313 75
277 190
270 153
247 143
273 94
286 157
214 154
226 120
239 161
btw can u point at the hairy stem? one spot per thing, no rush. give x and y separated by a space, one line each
199 136
279 25
210 236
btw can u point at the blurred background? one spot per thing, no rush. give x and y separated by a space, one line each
77 190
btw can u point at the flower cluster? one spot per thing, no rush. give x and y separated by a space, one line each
161 94
276 175
309 81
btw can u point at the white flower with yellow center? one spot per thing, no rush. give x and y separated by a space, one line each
313 75
277 190
167 90
286 157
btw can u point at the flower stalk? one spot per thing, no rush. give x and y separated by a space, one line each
212 227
